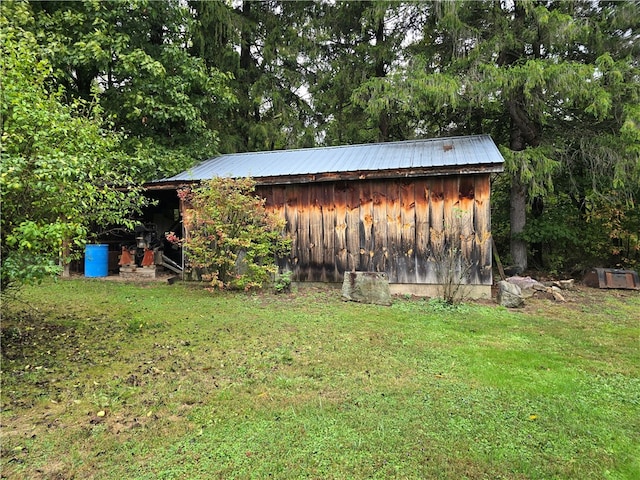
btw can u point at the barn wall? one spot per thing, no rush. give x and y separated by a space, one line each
396 226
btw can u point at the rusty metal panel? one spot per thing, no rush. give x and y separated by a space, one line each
612 278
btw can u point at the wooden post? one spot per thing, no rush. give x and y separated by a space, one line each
497 257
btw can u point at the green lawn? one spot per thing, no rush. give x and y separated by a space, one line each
108 380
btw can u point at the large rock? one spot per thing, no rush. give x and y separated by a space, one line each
366 287
509 295
533 288
528 286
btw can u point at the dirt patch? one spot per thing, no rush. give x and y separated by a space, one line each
161 277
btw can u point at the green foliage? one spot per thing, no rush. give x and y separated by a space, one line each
61 170
556 86
614 232
440 305
282 283
135 55
358 45
231 239
534 167
261 45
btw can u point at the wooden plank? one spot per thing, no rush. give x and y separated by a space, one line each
291 214
497 257
276 203
451 209
468 249
436 228
340 243
353 227
422 190
330 271
397 262
366 226
316 249
452 221
304 253
482 227
380 240
408 232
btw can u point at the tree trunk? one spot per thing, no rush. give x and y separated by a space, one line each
537 209
517 216
381 72
245 76
518 195
65 263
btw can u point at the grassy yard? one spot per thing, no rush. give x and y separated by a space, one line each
108 380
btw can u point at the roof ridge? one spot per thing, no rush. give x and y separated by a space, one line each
352 145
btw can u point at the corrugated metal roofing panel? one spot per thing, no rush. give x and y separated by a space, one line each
393 156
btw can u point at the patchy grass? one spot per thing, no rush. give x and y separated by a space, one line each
109 380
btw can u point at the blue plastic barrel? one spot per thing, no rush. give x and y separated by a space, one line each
96 260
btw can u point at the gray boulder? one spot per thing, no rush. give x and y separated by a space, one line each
528 286
366 287
509 295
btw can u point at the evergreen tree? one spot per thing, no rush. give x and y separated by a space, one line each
555 83
261 44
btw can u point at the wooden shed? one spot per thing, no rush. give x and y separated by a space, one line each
399 207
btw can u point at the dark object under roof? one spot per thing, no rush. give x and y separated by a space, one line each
411 158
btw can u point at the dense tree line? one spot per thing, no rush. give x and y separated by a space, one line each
556 84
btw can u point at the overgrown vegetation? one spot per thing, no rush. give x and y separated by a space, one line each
99 93
282 283
60 166
110 380
231 240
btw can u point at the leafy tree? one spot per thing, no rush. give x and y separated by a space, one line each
135 55
231 239
59 165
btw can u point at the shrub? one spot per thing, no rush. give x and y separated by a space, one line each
282 283
231 239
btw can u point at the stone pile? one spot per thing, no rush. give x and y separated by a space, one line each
513 291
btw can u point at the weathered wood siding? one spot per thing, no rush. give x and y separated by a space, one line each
395 226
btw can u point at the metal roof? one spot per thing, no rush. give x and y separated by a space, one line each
469 154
